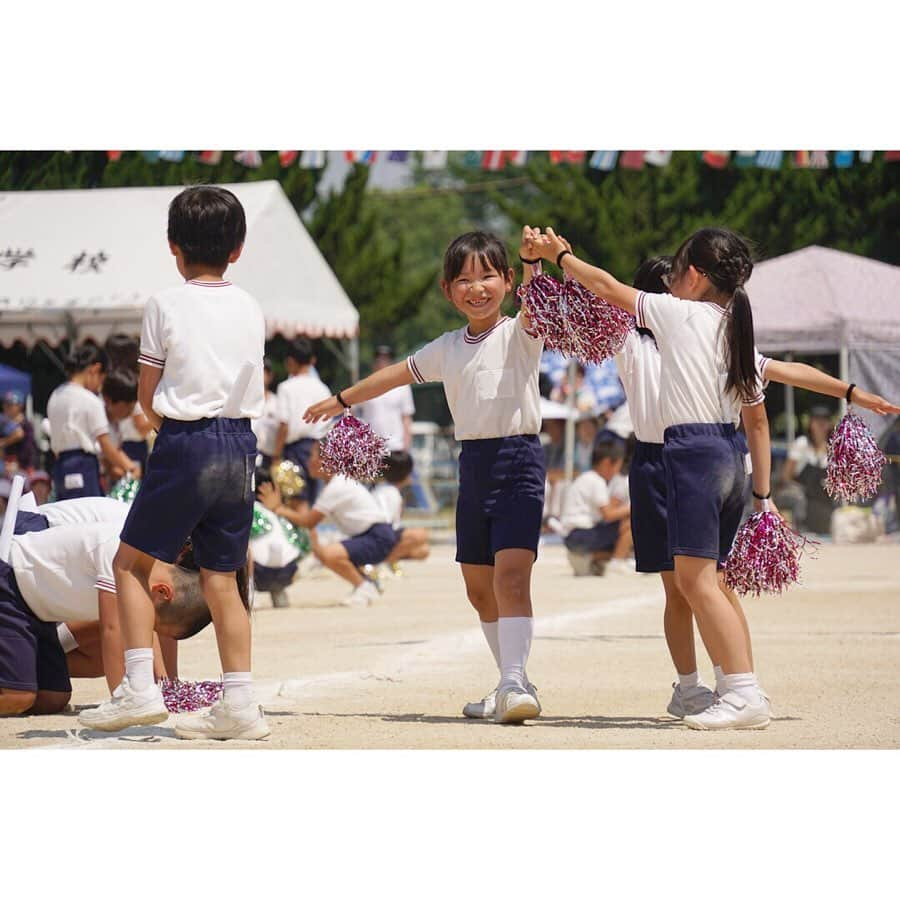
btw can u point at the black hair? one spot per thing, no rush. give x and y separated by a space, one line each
608 449
724 258
301 350
490 249
650 274
123 351
120 386
79 358
398 467
207 223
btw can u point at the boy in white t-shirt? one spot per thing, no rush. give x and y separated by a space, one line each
354 511
412 542
201 383
594 523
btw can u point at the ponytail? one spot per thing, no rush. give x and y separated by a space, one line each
80 358
740 357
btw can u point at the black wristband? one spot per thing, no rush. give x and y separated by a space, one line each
530 262
762 496
849 393
562 253
341 400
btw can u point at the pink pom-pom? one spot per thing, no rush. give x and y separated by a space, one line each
765 556
351 448
573 320
854 461
189 696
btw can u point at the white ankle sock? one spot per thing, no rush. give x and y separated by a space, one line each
514 634
238 688
720 685
490 635
687 682
139 668
742 683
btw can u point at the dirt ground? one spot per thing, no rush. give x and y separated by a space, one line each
396 675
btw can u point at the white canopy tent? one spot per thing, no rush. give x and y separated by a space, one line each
819 300
82 263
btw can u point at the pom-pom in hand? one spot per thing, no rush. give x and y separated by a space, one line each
855 462
765 556
189 696
351 448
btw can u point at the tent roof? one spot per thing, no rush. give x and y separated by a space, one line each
816 299
91 258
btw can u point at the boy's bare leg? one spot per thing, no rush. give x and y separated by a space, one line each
413 544
230 619
334 557
136 615
622 548
678 624
15 703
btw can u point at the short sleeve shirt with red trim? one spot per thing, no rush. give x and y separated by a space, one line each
201 335
691 340
490 379
61 571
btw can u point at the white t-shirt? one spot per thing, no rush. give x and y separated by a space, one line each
638 364
83 510
691 340
587 494
490 380
266 426
272 549
127 429
77 418
385 415
389 498
59 571
201 334
349 505
804 454
295 395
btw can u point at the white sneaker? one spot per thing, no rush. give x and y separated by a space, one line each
126 707
515 705
620 567
363 595
580 562
222 723
731 711
690 702
374 575
485 708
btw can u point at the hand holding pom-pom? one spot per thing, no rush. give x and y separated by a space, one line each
854 461
765 556
351 448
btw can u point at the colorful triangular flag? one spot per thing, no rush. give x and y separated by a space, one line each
151 156
312 159
769 159
801 159
365 157
632 159
174 156
399 156
252 159
866 156
743 159
492 160
818 159
210 157
571 157
472 159
716 159
434 159
892 155
113 155
515 157
605 160
287 157
658 157
843 159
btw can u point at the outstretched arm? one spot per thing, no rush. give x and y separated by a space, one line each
804 376
375 385
756 426
548 246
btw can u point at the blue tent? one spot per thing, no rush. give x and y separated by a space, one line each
13 380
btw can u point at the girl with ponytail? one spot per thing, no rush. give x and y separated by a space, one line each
79 427
708 379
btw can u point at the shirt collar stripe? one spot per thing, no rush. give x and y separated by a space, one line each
209 283
478 338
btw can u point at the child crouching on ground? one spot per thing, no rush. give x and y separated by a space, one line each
354 511
413 542
594 523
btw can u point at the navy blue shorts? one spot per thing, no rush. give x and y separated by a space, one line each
372 546
501 497
647 489
268 578
705 488
198 485
298 452
31 657
30 521
602 536
136 450
76 474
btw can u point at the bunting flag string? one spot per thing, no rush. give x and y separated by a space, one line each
312 159
658 157
801 159
251 159
173 156
604 160
769 159
399 156
744 159
572 157
843 159
366 157
287 157
818 159
632 159
866 156
210 157
716 159
434 159
113 155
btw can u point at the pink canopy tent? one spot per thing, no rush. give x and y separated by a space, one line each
819 300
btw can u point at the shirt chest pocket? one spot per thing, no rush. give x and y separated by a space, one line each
494 384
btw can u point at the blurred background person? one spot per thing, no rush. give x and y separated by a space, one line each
391 415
